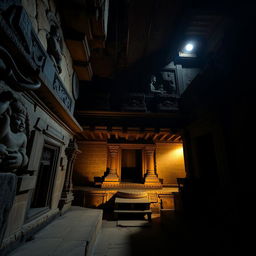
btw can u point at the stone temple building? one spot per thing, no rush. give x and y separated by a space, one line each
104 102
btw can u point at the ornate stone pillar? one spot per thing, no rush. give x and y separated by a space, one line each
151 179
67 194
112 178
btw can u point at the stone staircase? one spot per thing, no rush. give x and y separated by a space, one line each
131 209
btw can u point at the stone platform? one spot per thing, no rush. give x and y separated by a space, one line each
104 197
72 234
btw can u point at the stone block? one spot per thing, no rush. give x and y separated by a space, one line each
42 7
42 37
7 194
30 6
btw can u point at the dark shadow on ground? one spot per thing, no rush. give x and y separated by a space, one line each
182 236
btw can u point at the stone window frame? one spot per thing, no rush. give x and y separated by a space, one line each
40 139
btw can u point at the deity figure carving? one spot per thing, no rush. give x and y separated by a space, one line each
169 81
54 41
13 130
155 86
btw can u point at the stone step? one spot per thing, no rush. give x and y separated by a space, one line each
74 233
131 201
133 223
132 211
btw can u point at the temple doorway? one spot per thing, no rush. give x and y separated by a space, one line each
131 165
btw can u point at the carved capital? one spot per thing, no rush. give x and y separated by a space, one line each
113 149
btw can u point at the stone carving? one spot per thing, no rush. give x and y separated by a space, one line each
163 83
169 81
62 94
8 183
55 41
135 102
156 86
167 103
13 130
10 72
18 27
67 194
75 86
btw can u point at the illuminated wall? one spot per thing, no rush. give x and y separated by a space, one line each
90 163
170 162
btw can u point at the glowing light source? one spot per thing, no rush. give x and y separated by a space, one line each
189 47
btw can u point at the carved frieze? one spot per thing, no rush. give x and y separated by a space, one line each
18 33
167 103
135 102
164 82
62 94
12 75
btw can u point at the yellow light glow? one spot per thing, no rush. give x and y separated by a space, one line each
178 152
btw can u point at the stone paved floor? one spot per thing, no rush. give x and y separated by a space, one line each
126 241
177 238
68 235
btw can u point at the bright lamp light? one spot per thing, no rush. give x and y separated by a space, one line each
189 47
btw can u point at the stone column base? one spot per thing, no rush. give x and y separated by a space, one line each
65 201
151 180
111 180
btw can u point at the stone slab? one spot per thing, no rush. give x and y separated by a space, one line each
74 232
8 183
133 223
131 201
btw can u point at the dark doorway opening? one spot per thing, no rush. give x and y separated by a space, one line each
42 194
131 165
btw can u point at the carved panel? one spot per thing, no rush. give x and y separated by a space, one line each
135 102
16 25
62 94
164 82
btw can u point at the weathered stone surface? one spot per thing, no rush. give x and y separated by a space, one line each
42 37
7 194
71 234
42 20
30 6
65 76
68 60
52 6
34 23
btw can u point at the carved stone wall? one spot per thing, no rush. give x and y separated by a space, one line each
38 12
29 122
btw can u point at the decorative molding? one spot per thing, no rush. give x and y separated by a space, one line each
54 134
62 93
75 86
